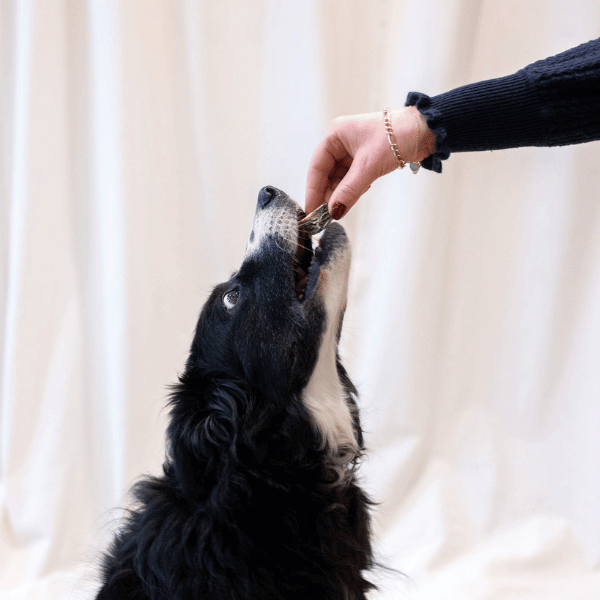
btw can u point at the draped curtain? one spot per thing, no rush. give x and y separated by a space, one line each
135 136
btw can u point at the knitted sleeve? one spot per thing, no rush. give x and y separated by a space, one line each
552 102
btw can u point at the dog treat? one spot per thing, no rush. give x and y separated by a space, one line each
316 221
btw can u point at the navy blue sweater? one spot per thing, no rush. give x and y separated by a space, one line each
552 102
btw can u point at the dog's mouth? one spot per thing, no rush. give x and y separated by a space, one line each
299 235
313 252
303 260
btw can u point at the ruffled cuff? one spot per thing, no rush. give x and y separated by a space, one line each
434 122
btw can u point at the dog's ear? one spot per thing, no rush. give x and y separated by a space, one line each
202 434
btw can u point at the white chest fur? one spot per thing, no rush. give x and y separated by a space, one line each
324 396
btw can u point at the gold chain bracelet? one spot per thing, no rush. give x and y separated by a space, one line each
414 166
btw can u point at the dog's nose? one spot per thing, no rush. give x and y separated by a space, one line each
266 195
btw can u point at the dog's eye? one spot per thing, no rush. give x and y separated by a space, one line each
230 299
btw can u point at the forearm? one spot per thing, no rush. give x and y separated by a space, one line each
551 102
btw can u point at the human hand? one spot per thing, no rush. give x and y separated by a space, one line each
356 152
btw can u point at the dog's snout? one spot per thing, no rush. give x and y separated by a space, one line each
266 195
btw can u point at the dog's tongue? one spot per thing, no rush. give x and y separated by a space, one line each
301 285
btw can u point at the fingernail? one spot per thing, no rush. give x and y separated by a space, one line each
338 211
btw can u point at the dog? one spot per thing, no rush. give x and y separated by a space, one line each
259 498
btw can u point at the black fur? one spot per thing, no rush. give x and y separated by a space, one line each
250 505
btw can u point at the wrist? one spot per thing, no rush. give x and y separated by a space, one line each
415 140
427 137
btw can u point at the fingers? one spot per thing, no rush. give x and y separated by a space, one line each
317 180
346 162
356 182
329 164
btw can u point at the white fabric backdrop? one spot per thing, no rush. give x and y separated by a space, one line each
134 139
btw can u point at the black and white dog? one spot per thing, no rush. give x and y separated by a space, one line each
259 499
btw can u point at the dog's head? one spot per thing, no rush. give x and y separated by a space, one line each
274 326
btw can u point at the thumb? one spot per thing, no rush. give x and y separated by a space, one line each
355 183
